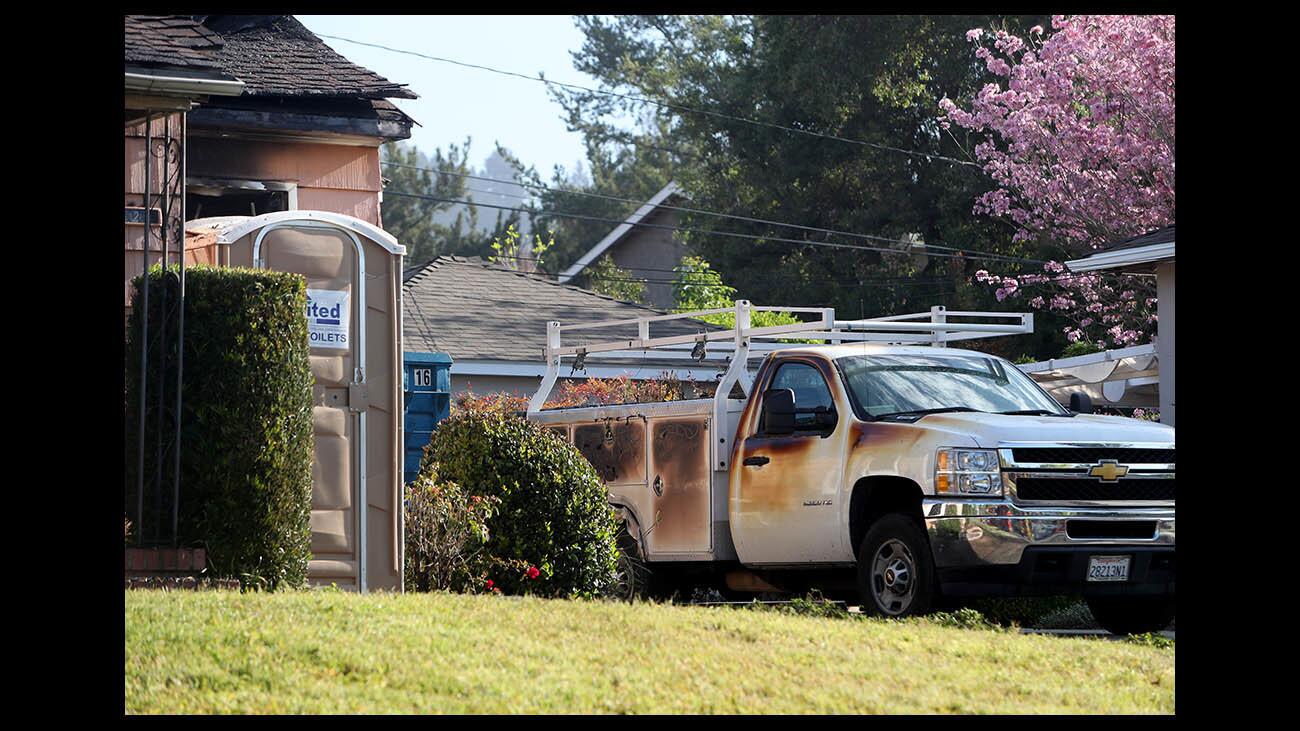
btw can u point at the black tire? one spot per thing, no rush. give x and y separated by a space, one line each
632 580
1132 615
896 575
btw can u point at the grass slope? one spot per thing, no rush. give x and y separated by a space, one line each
330 652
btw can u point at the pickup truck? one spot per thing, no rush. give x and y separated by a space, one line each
909 473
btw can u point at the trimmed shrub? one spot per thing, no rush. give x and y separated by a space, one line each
246 421
554 512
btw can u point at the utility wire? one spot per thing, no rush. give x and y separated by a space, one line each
918 283
665 105
857 283
733 234
685 209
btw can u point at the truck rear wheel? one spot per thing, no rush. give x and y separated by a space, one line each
895 570
632 577
1132 615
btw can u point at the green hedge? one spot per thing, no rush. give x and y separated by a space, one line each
246 440
554 513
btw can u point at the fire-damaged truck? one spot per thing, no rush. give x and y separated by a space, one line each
866 455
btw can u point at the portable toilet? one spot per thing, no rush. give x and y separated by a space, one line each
427 389
354 289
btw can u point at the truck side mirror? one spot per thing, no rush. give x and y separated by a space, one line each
1080 403
778 411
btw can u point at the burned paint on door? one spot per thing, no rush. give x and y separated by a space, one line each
615 449
680 481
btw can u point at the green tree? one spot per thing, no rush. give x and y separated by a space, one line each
873 79
698 286
408 216
620 176
508 252
609 279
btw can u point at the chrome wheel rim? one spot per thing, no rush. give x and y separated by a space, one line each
627 577
893 577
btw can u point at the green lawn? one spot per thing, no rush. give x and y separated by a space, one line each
330 652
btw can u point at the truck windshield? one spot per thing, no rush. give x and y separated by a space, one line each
906 384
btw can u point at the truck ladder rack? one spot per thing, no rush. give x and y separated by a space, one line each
934 328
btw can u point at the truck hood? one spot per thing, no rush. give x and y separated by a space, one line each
989 429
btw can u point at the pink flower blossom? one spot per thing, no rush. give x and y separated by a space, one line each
1076 135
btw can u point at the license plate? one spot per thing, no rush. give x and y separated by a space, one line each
1108 568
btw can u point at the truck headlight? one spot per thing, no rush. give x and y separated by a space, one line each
967 472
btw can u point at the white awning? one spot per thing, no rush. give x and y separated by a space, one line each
1124 378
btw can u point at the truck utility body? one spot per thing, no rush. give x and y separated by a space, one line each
927 470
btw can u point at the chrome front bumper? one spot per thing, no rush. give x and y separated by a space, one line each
969 533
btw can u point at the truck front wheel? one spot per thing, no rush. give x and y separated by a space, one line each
895 570
1132 615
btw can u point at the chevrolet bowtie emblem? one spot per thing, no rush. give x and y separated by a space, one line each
1108 470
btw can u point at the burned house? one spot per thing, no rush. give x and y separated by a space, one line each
245 115
304 134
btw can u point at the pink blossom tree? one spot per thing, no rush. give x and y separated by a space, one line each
1079 140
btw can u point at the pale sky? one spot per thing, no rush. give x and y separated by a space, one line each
456 102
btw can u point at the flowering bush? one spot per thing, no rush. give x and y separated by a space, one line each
622 389
1080 143
1146 414
446 530
448 541
551 530
498 402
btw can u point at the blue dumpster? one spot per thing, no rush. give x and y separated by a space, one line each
426 386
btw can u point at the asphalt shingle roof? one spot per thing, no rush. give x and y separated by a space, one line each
276 55
475 310
1159 236
171 40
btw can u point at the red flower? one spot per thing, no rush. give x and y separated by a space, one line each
489 585
532 572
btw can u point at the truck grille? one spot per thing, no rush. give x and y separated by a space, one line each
1049 489
1091 455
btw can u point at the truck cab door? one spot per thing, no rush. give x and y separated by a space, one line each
786 486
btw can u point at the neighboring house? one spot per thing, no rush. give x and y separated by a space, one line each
171 64
1150 252
246 114
304 134
641 247
492 321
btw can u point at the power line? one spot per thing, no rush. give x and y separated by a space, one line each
898 280
733 234
930 287
701 211
687 279
665 105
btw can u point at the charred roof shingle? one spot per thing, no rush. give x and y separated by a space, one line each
171 40
275 55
